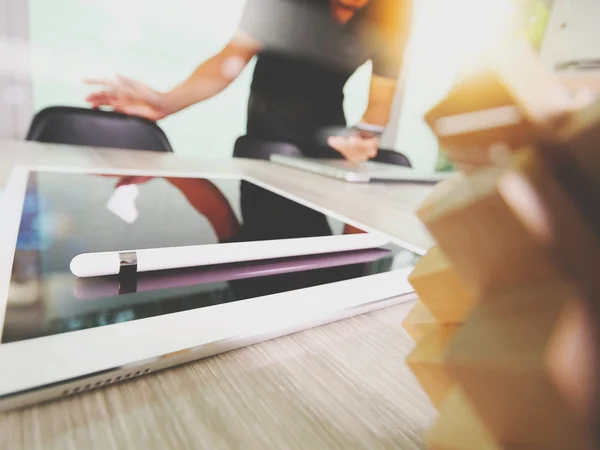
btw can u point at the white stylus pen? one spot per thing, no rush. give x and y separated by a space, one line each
111 263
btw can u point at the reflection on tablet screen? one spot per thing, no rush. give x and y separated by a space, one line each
66 214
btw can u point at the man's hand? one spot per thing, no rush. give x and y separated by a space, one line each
211 77
355 148
128 97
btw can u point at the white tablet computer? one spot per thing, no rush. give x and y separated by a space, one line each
61 334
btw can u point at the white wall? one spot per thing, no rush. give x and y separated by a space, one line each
6 126
429 77
573 32
15 99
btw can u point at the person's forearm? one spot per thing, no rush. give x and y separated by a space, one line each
381 99
212 76
205 82
377 114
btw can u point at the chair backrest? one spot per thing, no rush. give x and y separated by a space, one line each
248 147
392 157
96 128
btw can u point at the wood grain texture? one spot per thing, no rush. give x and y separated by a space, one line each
344 385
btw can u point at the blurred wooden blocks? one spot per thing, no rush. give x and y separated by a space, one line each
427 363
576 152
478 113
520 232
540 95
487 244
459 427
419 322
554 216
441 289
500 360
560 223
511 102
573 358
441 191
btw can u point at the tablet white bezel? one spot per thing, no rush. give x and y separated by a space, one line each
35 363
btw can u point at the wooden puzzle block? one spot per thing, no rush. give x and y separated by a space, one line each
488 245
509 103
427 363
478 113
554 216
459 427
500 359
419 322
521 227
441 191
441 289
542 195
540 95
575 158
573 359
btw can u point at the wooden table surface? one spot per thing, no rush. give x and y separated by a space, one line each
343 385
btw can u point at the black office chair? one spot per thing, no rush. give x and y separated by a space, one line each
96 128
249 147
392 157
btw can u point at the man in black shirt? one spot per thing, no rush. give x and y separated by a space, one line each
307 50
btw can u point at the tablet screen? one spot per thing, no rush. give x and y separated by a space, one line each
66 214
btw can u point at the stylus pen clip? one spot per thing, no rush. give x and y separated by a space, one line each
128 262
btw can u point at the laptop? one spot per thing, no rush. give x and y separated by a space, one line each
365 172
